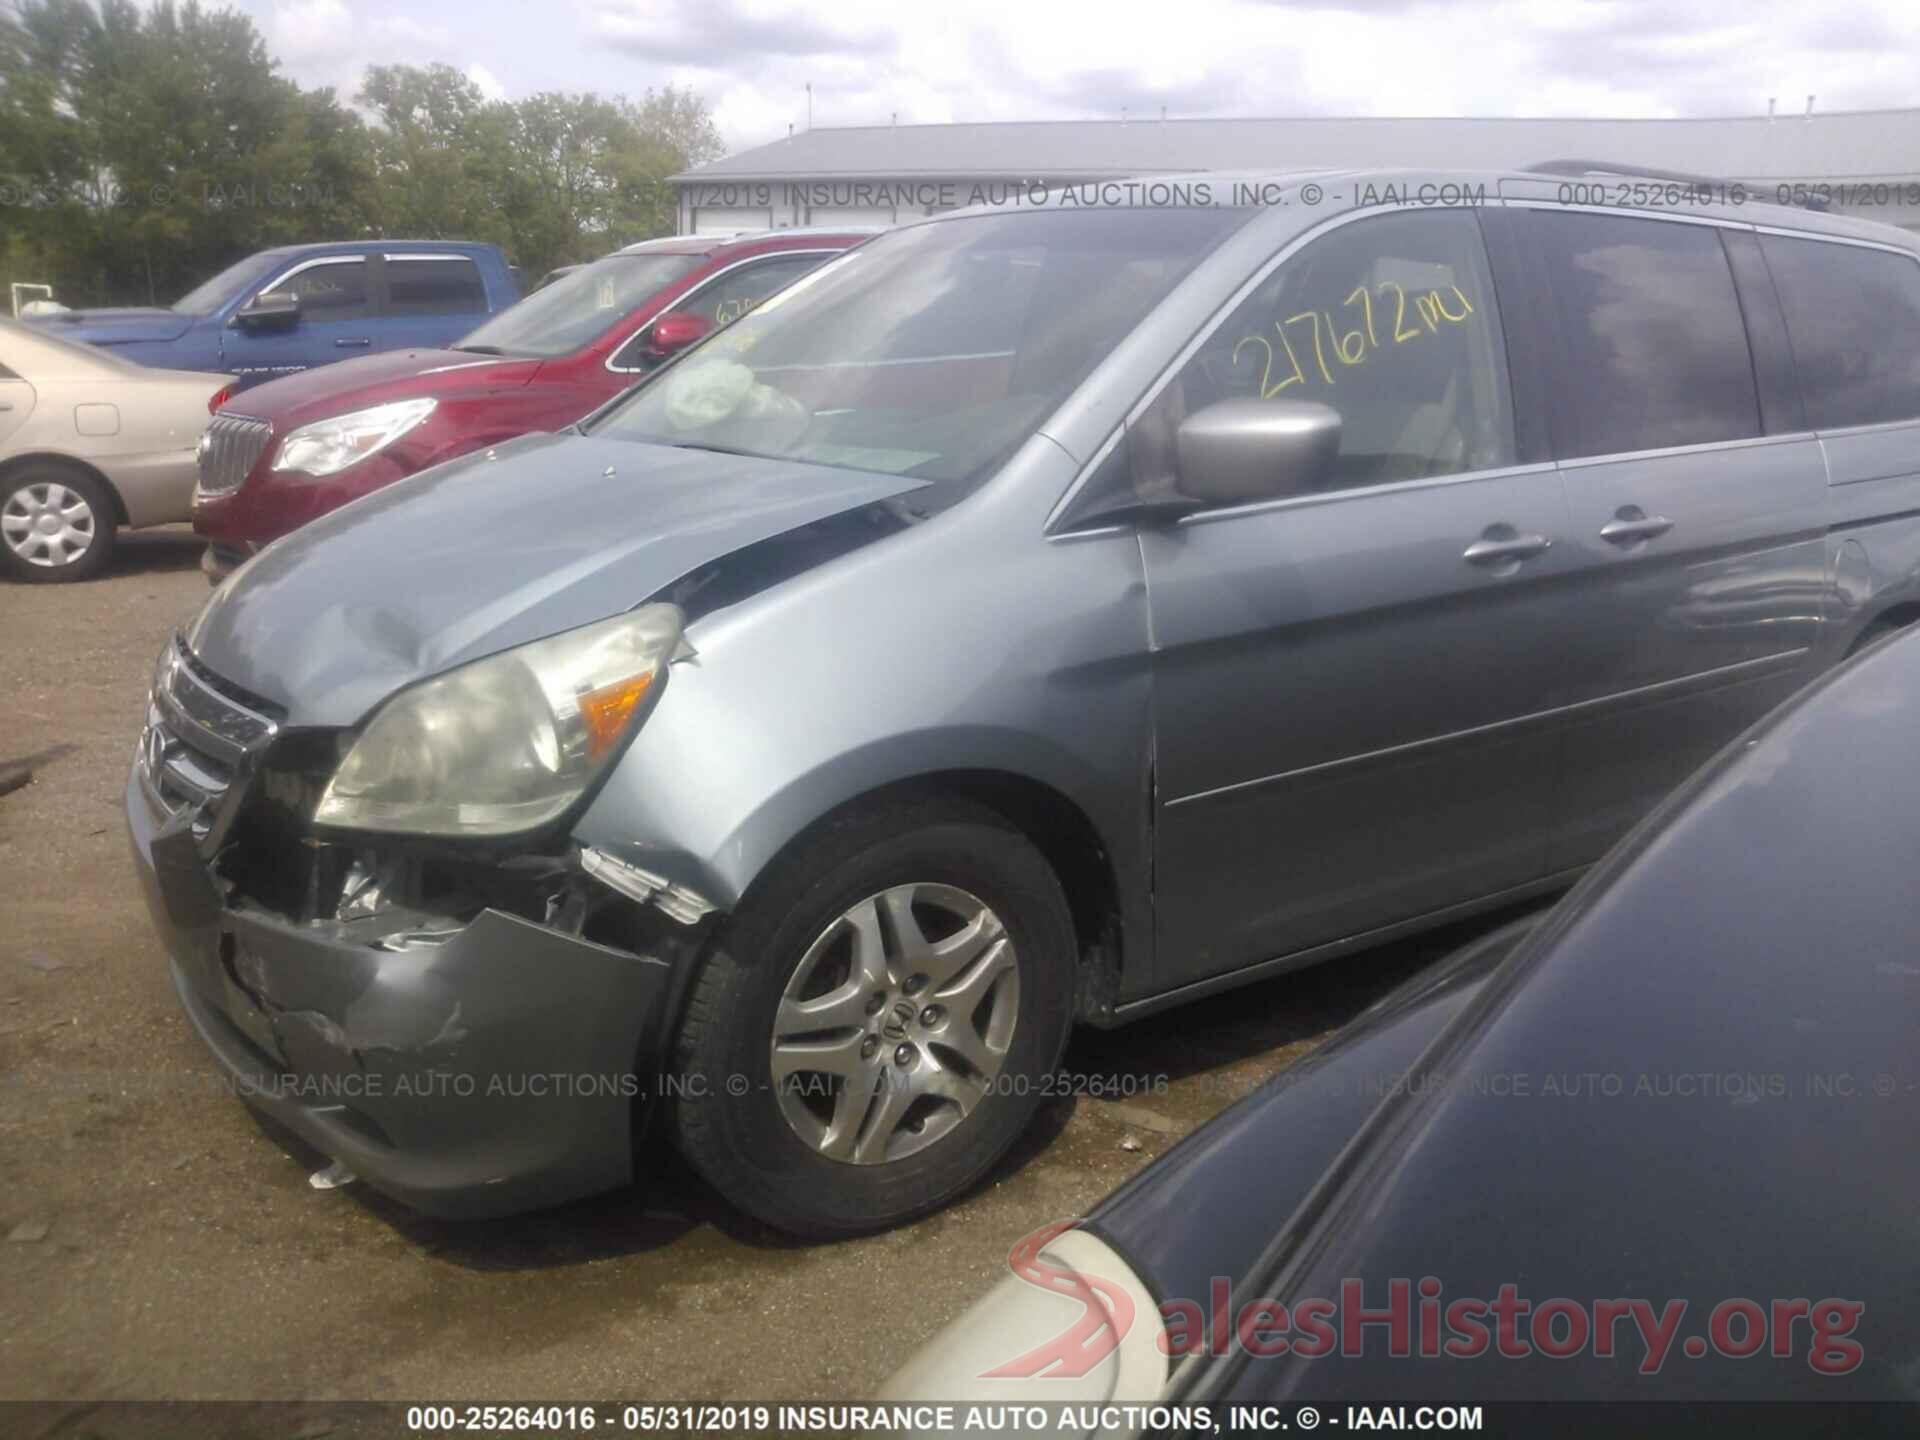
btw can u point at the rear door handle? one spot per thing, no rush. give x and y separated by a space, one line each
1505 549
6 404
1630 525
352 344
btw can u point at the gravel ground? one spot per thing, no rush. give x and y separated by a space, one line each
161 1244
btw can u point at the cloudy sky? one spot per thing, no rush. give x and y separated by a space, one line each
869 60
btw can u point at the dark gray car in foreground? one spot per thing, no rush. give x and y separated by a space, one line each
1656 1146
1041 614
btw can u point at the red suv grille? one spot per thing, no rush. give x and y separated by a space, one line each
228 450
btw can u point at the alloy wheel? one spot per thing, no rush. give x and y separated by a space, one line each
895 1023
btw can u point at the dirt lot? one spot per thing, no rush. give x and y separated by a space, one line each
184 1255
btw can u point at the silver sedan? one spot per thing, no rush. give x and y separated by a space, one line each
89 442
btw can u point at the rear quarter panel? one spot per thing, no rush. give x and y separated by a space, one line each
1873 546
149 457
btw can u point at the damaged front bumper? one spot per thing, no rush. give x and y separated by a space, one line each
477 1070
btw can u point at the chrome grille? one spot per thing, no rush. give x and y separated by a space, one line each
200 743
228 450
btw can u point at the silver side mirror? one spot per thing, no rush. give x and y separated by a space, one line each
1241 451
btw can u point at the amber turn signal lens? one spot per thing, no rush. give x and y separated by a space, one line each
606 711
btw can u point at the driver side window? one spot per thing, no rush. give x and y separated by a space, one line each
1390 321
733 295
331 290
724 300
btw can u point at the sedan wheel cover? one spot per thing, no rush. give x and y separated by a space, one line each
895 1023
47 524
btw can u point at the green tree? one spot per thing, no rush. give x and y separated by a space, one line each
555 178
145 148
440 149
672 131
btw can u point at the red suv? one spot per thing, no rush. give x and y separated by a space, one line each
292 449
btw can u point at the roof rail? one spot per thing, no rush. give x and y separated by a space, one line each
821 228
1649 172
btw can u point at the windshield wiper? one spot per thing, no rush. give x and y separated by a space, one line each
480 349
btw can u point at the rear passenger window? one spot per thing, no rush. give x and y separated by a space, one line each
1654 352
1853 316
434 286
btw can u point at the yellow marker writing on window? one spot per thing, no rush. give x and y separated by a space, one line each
1430 311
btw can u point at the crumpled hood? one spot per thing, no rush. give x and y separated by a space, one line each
481 554
115 327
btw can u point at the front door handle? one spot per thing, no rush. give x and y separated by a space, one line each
352 344
1630 525
1505 549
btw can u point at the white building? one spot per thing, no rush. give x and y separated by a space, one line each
1869 160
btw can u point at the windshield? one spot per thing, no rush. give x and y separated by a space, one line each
579 308
932 352
206 298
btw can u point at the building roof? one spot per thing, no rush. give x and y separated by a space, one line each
1860 144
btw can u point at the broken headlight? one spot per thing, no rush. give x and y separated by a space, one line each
504 744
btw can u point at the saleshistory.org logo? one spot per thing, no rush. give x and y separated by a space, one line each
1418 1320
1106 1312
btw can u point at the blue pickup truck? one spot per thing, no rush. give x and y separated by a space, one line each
305 305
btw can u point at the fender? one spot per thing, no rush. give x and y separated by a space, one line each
808 696
722 867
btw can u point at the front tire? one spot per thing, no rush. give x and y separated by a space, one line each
56 524
869 1033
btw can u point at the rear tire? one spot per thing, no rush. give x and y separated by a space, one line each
920 958
56 524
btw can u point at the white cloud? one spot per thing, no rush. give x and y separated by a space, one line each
486 82
870 60
332 42
310 32
1011 59
402 38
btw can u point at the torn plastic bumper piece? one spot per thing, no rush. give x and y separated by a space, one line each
497 1069
676 901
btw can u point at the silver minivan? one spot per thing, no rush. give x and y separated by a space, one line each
1040 615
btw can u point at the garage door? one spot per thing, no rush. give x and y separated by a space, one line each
852 215
717 222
